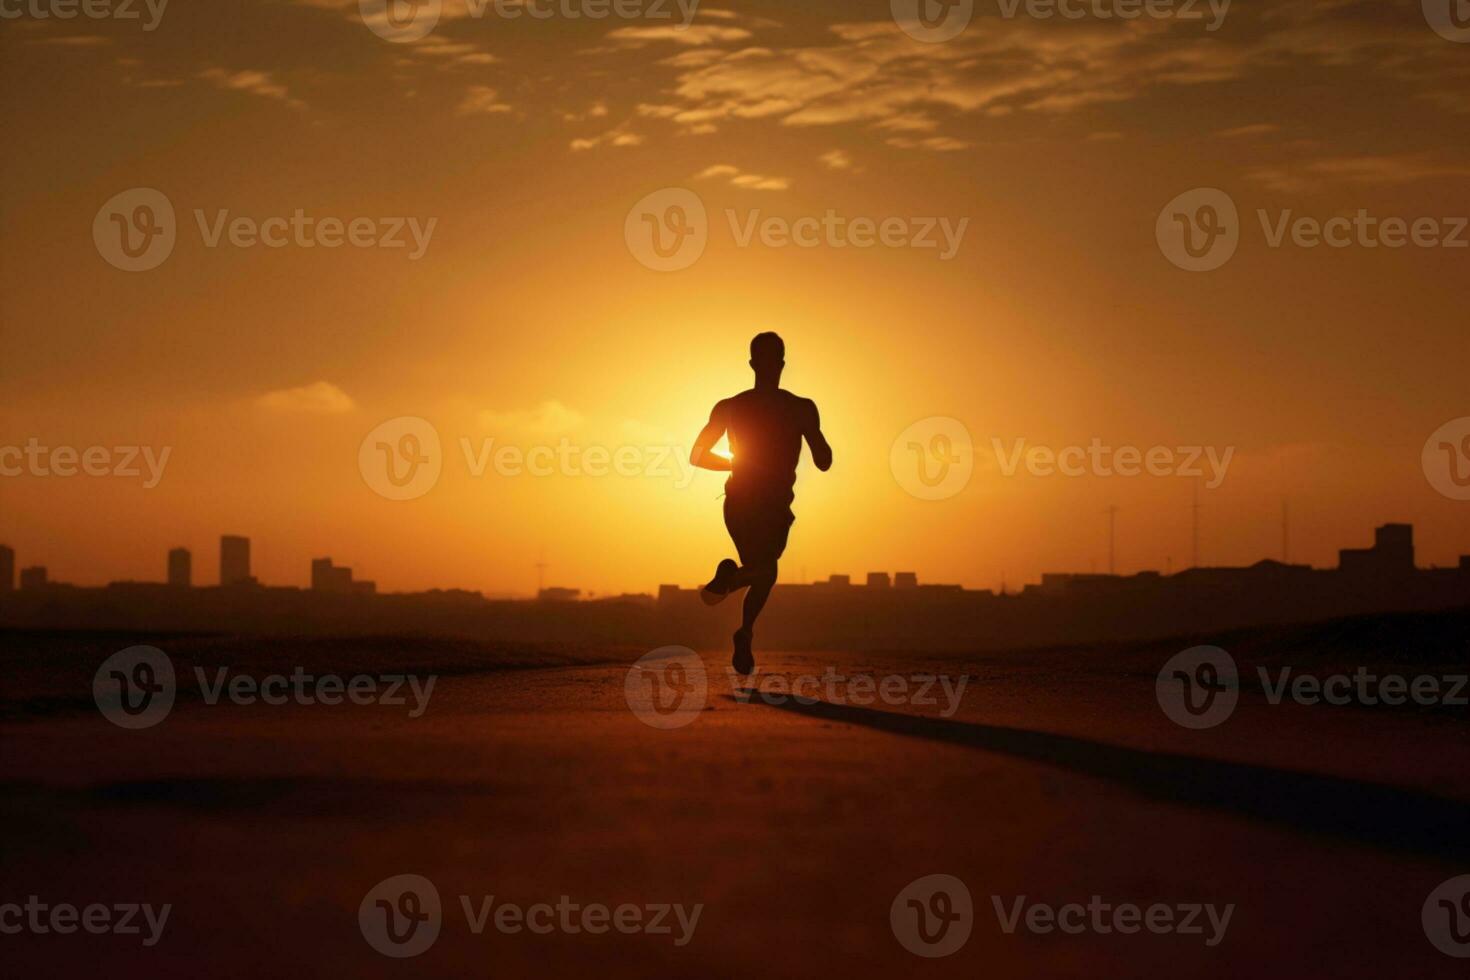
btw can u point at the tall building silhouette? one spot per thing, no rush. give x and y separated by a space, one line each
180 568
234 560
7 568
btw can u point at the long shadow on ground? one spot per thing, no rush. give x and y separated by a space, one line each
1376 814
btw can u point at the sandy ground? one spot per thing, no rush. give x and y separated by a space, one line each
794 827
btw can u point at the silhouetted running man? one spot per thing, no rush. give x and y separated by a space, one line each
766 425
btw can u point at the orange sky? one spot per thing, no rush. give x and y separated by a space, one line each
528 319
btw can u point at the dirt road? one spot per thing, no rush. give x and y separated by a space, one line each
1093 835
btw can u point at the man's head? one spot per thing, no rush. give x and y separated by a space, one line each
767 357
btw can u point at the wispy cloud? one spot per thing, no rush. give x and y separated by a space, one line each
597 110
1254 129
738 178
318 398
1360 170
74 41
939 144
253 82
434 48
836 160
618 136
550 417
694 36
481 100
870 73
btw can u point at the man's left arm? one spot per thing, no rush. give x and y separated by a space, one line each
821 452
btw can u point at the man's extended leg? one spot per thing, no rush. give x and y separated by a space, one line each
759 579
759 534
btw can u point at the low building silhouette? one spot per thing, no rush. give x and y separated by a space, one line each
327 577
1392 554
1062 609
180 568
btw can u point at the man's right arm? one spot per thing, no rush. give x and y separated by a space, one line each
701 455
